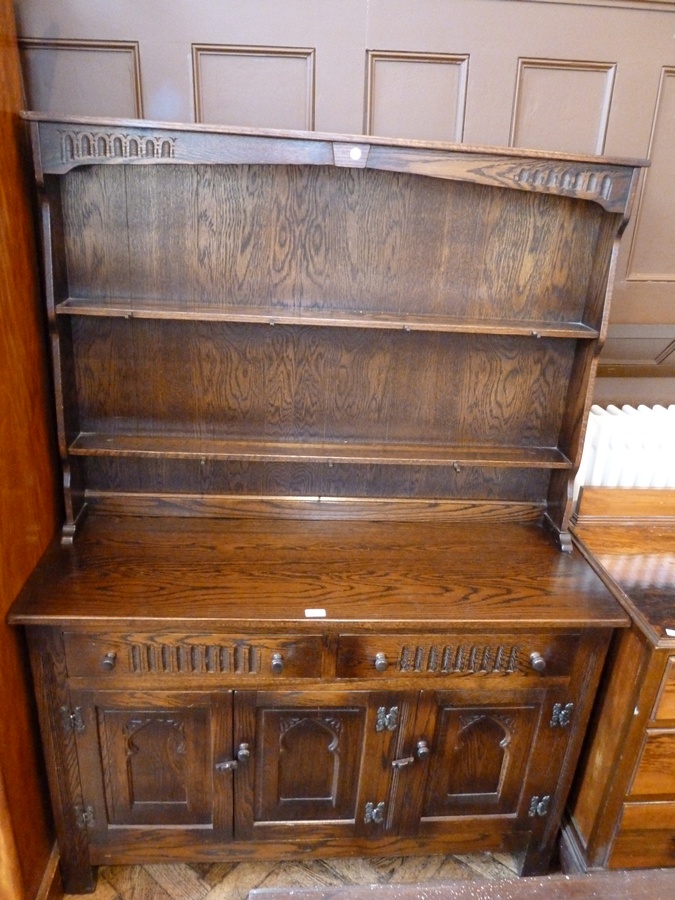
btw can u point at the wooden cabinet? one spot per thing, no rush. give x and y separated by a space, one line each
322 763
622 811
319 402
187 745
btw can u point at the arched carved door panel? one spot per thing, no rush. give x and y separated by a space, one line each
316 761
480 759
158 751
307 760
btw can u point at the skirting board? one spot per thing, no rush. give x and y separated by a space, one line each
50 886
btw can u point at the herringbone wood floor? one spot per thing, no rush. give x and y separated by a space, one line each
233 881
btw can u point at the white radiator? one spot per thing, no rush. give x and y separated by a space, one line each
629 447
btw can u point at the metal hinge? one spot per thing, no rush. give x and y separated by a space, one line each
386 719
72 719
84 816
374 813
561 715
539 806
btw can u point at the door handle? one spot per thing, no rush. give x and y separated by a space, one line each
229 765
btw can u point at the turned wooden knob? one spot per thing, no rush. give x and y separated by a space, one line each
537 662
381 663
108 661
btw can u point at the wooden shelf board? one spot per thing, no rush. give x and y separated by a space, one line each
184 447
335 318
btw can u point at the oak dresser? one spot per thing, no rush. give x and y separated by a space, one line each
319 402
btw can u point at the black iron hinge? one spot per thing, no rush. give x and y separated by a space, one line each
72 719
539 806
561 715
84 816
387 720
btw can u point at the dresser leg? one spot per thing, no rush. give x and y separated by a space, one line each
537 860
76 877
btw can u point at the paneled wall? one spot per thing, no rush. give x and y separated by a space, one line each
589 76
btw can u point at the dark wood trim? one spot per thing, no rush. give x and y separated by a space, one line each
51 887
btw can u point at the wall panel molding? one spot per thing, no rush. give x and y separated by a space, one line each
403 86
58 70
238 85
562 103
642 350
652 255
654 5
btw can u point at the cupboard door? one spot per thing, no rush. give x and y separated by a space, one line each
476 751
319 764
149 759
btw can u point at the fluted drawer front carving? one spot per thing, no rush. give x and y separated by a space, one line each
192 655
455 655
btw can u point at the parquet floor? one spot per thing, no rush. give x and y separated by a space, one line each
233 881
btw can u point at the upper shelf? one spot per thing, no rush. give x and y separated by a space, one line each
279 315
359 452
64 143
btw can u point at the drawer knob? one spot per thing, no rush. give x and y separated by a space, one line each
108 661
423 750
537 662
277 663
381 663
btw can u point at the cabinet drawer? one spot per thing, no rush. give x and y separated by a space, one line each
645 837
189 655
655 774
648 816
361 656
665 705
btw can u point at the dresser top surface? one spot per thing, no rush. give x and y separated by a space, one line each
253 573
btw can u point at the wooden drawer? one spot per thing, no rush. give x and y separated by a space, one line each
655 773
665 704
646 837
192 654
361 656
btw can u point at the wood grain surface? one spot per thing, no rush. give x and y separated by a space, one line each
27 495
308 239
158 569
631 534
